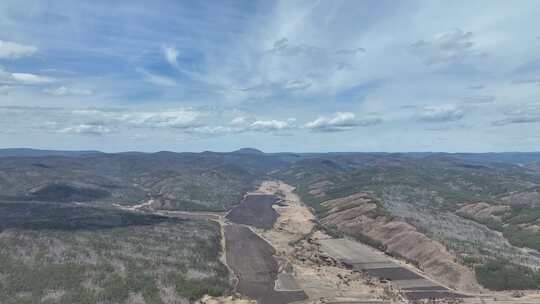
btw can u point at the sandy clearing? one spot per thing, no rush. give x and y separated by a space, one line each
138 207
294 222
287 282
352 252
226 300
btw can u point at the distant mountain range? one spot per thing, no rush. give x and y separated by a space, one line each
24 152
506 157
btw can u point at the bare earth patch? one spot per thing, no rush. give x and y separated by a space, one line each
292 237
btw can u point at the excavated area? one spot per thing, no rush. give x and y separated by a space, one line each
252 260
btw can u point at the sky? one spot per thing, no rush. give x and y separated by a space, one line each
300 76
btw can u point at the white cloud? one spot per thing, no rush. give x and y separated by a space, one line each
479 99
67 91
105 121
175 118
282 47
23 78
27 78
12 50
441 113
97 120
214 130
294 85
354 51
85 129
529 113
241 125
171 55
270 125
158 80
268 89
238 121
449 47
476 87
341 121
179 119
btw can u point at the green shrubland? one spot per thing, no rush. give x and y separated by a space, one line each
501 274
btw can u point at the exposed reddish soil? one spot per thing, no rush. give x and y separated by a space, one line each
350 215
484 211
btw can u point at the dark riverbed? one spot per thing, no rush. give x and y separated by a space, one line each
252 260
256 211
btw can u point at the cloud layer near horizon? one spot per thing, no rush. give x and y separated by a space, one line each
277 75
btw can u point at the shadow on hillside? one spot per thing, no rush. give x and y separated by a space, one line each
50 216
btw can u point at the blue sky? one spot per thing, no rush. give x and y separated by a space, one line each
275 75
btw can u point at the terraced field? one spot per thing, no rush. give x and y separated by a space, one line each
361 257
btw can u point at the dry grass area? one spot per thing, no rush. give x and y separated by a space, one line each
295 221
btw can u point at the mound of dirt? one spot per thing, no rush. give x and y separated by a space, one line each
318 189
484 211
348 208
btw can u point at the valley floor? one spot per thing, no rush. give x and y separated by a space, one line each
322 275
295 261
